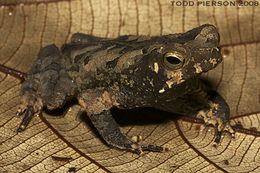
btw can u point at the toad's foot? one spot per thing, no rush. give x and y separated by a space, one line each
31 105
139 148
47 84
218 116
217 122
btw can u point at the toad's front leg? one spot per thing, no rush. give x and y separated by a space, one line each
97 104
217 114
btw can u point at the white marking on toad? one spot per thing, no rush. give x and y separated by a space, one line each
197 67
156 67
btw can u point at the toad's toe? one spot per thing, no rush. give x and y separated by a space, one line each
220 123
31 104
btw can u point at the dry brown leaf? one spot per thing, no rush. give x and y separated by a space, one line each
67 143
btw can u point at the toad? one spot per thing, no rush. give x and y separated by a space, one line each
128 72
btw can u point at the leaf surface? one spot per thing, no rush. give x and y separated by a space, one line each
68 142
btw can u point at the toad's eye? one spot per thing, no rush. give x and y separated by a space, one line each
173 60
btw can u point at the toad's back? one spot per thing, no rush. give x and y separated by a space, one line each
99 62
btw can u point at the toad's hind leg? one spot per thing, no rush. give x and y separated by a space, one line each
47 84
97 104
109 130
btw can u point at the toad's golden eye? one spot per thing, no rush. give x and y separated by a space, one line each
173 60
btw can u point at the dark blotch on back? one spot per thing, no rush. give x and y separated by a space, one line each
112 64
126 49
78 57
86 60
144 50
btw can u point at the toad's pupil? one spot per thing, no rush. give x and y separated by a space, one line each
173 60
